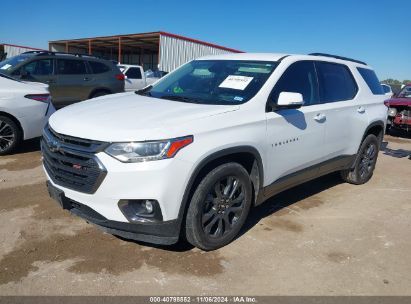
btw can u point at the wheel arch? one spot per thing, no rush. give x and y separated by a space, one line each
377 128
247 156
99 89
13 118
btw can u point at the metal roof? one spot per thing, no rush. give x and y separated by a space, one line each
147 41
22 46
248 56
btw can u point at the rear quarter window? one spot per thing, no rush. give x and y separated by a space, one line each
372 81
336 82
98 67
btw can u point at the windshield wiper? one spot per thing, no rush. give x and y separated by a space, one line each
144 91
181 98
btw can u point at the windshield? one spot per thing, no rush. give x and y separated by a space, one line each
405 92
224 82
8 77
10 63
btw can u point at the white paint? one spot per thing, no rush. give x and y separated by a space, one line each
129 117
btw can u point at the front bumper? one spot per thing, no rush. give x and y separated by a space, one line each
164 181
164 233
93 184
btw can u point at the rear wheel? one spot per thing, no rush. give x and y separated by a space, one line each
365 162
219 207
10 135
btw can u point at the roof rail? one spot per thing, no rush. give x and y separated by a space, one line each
337 57
48 53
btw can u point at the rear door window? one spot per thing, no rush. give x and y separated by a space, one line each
336 82
372 81
134 73
70 67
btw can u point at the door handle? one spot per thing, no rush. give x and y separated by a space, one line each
86 79
320 117
361 110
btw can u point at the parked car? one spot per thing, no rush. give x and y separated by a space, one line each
191 154
399 110
155 73
71 78
135 78
24 110
387 90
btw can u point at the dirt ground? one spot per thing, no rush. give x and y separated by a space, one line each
321 238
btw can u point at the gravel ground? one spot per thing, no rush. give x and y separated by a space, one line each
321 238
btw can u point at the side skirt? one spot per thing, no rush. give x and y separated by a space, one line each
305 175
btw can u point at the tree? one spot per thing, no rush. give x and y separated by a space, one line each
391 81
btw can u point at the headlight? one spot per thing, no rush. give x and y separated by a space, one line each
134 152
392 112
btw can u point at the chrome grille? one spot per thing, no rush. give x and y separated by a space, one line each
71 162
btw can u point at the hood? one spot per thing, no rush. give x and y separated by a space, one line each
131 117
398 102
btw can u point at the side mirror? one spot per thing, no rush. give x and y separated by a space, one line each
290 100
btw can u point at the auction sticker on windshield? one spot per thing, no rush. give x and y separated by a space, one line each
236 82
6 66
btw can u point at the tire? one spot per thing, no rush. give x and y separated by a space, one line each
99 93
216 213
365 161
10 135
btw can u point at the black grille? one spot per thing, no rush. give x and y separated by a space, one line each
71 162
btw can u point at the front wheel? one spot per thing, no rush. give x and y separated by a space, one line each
219 207
365 162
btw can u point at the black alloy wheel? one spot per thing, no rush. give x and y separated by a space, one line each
368 160
223 206
219 207
365 161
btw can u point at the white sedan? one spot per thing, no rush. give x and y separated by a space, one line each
24 110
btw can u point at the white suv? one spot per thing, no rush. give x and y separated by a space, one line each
189 156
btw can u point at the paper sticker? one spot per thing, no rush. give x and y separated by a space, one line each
5 67
238 98
236 82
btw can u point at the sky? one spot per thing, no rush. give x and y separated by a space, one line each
367 30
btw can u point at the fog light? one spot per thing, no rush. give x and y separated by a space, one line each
149 206
145 210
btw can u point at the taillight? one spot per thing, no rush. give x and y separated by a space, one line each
38 97
120 76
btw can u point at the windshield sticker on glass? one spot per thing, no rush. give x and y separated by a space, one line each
178 90
236 82
5 67
238 98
